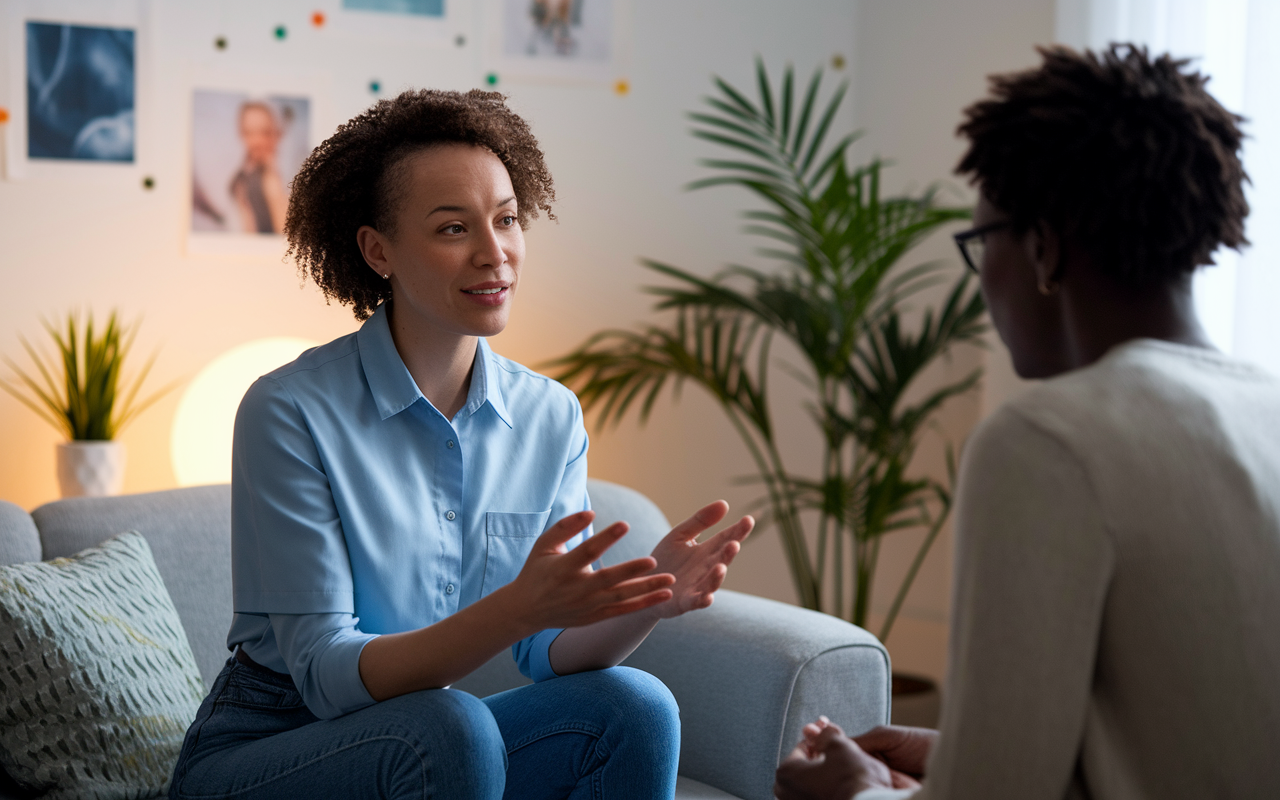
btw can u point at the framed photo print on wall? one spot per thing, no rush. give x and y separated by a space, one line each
245 150
81 92
579 41
433 22
248 139
75 86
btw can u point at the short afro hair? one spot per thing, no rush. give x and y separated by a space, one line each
355 178
1129 155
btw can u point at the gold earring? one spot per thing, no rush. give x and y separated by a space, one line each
1049 287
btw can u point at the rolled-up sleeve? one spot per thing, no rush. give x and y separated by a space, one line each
532 655
322 652
288 553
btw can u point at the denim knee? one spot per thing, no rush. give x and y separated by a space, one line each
455 736
635 695
646 694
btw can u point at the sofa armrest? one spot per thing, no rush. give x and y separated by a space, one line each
749 673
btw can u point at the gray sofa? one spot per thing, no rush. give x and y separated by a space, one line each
747 672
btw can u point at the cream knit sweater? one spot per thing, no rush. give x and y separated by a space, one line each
1116 616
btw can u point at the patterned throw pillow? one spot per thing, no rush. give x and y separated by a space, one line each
97 681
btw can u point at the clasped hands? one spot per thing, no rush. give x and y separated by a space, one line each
680 575
828 765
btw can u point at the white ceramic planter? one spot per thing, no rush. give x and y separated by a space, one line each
90 469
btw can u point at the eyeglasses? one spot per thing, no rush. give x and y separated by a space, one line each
972 245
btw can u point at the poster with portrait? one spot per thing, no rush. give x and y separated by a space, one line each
576 40
245 150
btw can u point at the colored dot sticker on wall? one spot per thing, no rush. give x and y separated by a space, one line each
491 79
281 32
460 40
220 43
375 87
622 86
148 182
4 115
837 61
318 19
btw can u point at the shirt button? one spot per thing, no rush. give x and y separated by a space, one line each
449 515
449 444
448 589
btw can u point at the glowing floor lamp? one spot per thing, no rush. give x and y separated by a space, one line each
200 444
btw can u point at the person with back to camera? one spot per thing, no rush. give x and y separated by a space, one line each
406 504
1116 616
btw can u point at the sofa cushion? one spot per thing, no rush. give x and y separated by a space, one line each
189 531
97 681
19 540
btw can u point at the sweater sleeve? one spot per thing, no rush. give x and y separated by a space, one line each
1034 560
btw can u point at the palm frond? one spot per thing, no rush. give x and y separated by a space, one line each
837 293
766 93
718 351
814 146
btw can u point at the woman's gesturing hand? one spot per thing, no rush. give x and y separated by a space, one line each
698 568
558 589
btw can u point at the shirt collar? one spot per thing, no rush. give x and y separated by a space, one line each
393 387
485 386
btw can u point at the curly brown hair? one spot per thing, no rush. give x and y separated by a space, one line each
357 177
1129 154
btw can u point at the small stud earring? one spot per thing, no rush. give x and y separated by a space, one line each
386 276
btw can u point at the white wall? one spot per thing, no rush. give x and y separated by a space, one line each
1231 42
94 238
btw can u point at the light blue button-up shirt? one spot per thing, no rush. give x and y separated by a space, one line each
358 509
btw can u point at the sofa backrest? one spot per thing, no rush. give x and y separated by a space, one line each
19 539
189 532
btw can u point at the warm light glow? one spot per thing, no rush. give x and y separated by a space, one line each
200 445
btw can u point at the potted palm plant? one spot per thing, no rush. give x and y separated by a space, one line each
838 293
80 392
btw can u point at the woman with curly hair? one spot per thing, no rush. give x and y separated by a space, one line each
406 504
1116 617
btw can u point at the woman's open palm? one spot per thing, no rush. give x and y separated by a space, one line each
699 568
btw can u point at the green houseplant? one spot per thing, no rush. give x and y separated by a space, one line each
80 392
839 296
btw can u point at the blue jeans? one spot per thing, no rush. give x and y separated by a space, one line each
611 734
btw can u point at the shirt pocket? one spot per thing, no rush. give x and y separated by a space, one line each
509 537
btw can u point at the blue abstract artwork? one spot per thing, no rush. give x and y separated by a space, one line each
422 8
80 92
